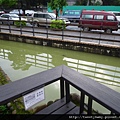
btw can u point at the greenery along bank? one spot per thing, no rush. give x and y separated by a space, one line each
3 77
13 107
16 106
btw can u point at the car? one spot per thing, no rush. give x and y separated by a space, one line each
1 12
98 20
40 18
29 12
72 15
117 14
10 18
21 12
17 11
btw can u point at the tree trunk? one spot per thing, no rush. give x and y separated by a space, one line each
57 13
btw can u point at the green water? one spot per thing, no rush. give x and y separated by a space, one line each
19 60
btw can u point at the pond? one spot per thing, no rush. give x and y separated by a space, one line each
20 60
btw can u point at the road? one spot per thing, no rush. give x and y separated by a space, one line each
76 28
72 33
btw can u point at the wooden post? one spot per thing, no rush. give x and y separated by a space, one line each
67 86
89 105
82 102
61 88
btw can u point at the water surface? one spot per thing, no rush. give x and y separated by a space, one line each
20 60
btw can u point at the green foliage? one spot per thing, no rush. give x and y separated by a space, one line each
8 2
97 3
15 105
57 5
57 24
3 109
2 79
20 23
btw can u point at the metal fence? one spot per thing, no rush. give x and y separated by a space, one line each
76 35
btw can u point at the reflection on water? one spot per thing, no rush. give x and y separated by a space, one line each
100 72
24 58
19 60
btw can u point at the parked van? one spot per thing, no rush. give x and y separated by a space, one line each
117 14
99 20
72 15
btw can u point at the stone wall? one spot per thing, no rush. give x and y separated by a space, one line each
71 45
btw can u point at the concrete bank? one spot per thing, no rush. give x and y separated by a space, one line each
109 50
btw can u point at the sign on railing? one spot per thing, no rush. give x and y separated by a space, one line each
33 98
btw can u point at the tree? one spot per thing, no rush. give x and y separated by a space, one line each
111 2
8 3
57 5
79 2
25 4
96 2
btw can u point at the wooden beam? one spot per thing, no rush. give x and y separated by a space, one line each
26 85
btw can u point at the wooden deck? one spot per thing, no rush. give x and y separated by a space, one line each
105 96
59 109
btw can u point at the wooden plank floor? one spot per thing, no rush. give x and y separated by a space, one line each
58 109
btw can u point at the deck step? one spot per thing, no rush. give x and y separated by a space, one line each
74 111
56 110
61 112
53 107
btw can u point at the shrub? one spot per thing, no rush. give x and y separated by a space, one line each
57 24
3 109
20 23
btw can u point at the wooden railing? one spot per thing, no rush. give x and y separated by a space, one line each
95 91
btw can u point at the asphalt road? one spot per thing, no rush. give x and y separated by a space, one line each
71 34
76 28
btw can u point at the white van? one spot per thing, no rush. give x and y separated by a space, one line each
44 18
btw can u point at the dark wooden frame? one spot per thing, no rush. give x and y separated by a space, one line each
105 96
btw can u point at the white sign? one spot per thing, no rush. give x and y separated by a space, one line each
33 98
